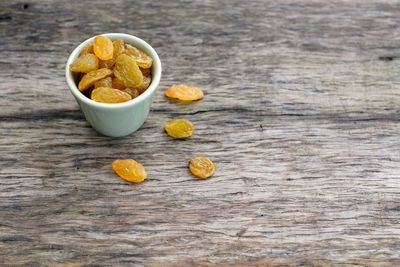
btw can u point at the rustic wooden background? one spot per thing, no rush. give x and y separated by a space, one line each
301 116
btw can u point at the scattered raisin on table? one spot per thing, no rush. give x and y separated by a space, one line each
184 92
179 128
202 167
129 170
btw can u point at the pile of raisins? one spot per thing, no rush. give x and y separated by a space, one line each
112 71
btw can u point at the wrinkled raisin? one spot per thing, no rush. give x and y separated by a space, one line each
144 85
201 167
109 95
119 47
179 128
109 64
90 78
106 82
132 92
117 84
141 58
127 71
103 47
184 92
87 50
85 63
129 170
146 72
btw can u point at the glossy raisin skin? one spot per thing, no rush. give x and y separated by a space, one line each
184 92
90 78
103 47
119 48
201 167
179 128
85 63
132 92
129 170
109 95
144 85
142 59
127 71
87 49
117 84
106 82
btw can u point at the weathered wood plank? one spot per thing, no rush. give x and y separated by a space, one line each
301 116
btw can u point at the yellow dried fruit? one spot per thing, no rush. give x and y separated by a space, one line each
90 78
141 58
85 63
179 128
117 84
106 82
184 92
109 64
144 85
201 167
132 92
87 50
109 95
103 47
129 170
119 47
146 72
127 71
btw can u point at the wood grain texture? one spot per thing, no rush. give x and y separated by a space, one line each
301 116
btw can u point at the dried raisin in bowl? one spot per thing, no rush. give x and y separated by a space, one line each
119 119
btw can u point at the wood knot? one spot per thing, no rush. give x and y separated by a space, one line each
386 58
5 17
25 6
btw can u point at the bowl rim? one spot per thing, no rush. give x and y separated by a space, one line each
129 39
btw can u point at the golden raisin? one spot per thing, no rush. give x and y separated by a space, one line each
129 170
119 47
127 71
109 95
201 167
184 92
144 85
132 92
103 47
179 128
109 64
106 82
117 84
90 78
85 63
141 58
146 72
87 50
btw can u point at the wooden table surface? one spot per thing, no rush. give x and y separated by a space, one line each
301 116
